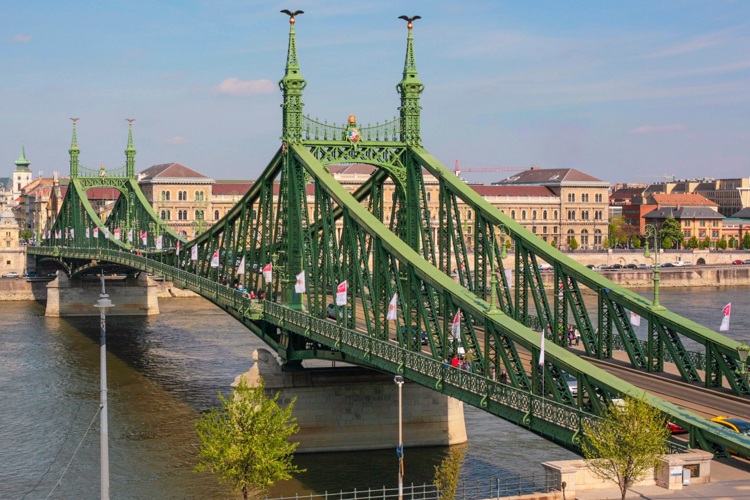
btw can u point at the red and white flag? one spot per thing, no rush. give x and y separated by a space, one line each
299 286
58 234
392 308
456 327
268 273
117 233
725 320
541 352
635 320
144 236
159 242
215 259
96 232
194 253
178 247
341 293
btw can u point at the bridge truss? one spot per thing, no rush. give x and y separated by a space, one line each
298 218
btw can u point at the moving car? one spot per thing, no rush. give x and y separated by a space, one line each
734 423
572 383
333 311
416 339
746 261
668 264
31 275
676 429
737 262
631 266
11 274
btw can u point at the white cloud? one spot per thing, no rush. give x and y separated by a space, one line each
698 43
21 38
657 129
242 88
178 139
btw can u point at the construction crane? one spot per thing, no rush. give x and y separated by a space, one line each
457 169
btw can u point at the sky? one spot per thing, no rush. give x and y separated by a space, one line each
631 91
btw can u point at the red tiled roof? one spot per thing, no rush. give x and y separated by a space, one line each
549 176
682 200
230 189
102 193
171 170
511 190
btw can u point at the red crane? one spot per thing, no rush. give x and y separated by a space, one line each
457 169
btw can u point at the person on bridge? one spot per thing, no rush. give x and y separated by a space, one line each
503 377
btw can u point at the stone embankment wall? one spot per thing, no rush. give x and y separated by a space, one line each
20 289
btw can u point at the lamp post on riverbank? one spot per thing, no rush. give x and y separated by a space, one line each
103 304
400 449
652 231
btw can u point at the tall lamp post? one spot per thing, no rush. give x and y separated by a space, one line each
400 448
652 231
742 351
103 304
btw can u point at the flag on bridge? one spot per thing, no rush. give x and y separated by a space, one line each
215 259
58 234
299 286
88 233
117 233
194 253
392 308
159 242
96 232
541 352
725 320
456 327
106 233
178 247
72 233
509 276
241 266
635 320
130 236
268 272
144 236
341 293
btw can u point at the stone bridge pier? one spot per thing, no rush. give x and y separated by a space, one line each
76 297
347 408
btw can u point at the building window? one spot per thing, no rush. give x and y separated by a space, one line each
513 214
571 214
165 196
687 233
199 215
554 215
216 215
571 197
182 196
469 215
585 215
702 223
544 215
597 237
598 198
523 214
533 229
533 215
584 238
585 197
714 234
429 195
687 223
571 235
199 196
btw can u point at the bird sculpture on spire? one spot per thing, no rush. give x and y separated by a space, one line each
292 14
410 20
130 120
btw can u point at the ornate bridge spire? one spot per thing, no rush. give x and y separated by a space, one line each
291 86
410 87
74 151
130 151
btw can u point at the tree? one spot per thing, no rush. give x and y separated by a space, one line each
732 242
26 235
692 242
746 241
671 229
626 444
722 243
245 440
573 245
617 230
667 242
446 474
636 242
706 242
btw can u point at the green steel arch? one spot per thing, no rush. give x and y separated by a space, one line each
297 218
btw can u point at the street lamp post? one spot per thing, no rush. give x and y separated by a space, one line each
742 351
399 379
652 231
103 304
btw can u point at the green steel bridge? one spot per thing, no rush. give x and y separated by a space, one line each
298 218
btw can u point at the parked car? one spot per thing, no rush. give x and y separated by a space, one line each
746 261
631 266
333 311
644 266
11 274
667 264
676 429
31 274
415 339
678 263
737 262
572 383
615 266
545 267
591 266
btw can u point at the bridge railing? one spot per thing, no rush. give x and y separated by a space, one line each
322 131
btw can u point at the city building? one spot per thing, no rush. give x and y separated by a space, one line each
696 214
12 254
730 195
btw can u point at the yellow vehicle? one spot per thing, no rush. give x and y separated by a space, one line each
736 424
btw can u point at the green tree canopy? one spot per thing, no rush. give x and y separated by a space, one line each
671 229
746 241
245 440
722 243
692 242
573 245
446 474
626 444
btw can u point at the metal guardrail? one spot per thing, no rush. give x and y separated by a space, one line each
414 492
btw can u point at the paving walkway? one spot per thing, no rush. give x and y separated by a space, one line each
730 480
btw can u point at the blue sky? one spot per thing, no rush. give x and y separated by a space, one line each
625 91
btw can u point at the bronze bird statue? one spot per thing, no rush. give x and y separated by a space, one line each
410 20
292 14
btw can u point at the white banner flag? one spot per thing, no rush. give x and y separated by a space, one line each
299 287
341 294
194 253
72 233
130 236
541 352
178 247
241 267
96 232
268 273
456 327
144 237
635 320
88 233
392 308
106 233
725 320
159 242
215 259
117 233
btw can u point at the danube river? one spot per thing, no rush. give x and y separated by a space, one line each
164 370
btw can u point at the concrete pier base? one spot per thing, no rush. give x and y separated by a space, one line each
350 408
131 297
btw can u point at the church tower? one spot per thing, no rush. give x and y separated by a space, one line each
21 175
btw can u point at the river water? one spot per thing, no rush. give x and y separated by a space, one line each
164 370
